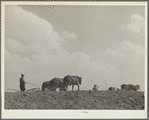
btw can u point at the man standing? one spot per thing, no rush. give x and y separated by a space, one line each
22 83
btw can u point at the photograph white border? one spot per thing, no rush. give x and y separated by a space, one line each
69 114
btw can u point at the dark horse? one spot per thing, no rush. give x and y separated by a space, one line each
72 80
129 87
53 84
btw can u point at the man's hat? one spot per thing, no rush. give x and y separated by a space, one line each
22 74
95 85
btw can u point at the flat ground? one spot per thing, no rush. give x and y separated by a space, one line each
114 100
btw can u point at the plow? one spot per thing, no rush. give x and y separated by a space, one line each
31 89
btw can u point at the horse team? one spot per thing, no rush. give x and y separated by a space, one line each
62 83
127 87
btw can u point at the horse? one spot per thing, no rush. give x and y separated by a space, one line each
72 80
114 89
53 84
129 87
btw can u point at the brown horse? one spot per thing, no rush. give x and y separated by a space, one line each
53 84
129 87
72 80
114 89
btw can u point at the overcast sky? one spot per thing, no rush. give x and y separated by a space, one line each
97 43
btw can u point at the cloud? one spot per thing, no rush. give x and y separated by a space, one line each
137 49
126 51
52 65
67 35
126 48
14 45
30 31
33 47
137 24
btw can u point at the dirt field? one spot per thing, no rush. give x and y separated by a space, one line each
114 100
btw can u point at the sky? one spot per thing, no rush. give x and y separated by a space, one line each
97 43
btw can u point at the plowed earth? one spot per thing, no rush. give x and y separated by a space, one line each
114 100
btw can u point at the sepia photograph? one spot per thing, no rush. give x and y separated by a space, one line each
74 59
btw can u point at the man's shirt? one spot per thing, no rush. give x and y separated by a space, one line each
22 80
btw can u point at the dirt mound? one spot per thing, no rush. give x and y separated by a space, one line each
118 100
